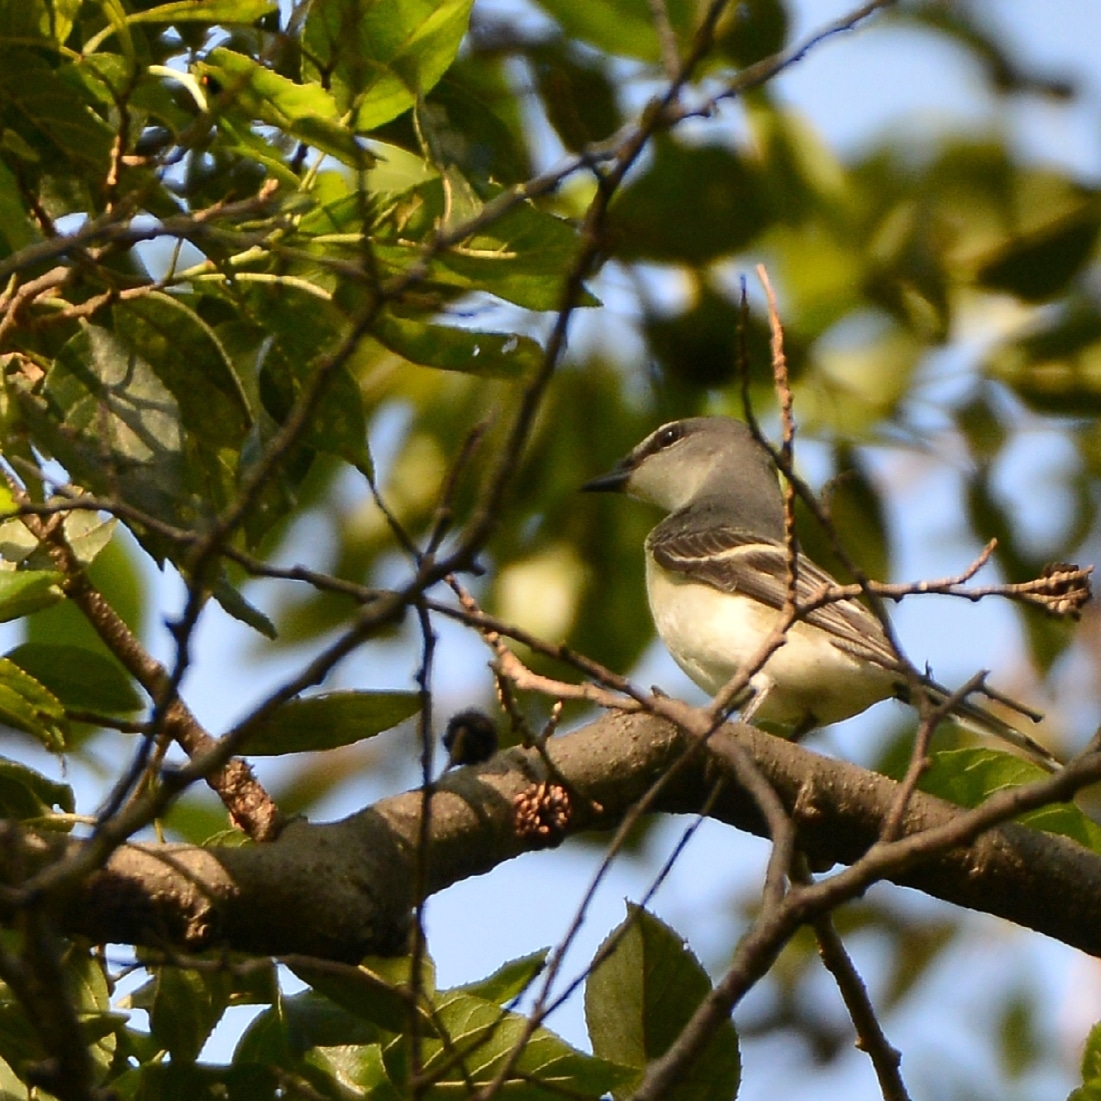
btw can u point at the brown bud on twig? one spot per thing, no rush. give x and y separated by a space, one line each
1062 589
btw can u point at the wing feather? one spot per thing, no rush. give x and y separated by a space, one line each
732 560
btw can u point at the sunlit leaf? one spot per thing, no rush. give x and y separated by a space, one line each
968 777
307 111
378 57
510 980
205 11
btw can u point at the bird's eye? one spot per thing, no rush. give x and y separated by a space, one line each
669 436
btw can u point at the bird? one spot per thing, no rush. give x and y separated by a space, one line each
718 572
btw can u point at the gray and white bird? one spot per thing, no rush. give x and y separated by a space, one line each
717 577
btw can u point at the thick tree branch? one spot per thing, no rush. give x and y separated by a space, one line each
345 889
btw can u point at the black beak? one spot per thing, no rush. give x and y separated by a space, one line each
613 481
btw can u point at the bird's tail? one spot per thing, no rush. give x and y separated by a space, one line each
982 721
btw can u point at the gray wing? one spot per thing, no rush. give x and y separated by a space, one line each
736 561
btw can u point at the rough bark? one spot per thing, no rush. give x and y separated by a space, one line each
344 889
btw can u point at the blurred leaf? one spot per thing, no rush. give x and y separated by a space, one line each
25 591
701 346
329 720
578 96
28 705
378 57
981 426
48 114
623 28
693 204
908 273
1047 637
641 994
1055 366
1021 1045
752 31
81 679
1051 243
26 794
1091 1068
855 508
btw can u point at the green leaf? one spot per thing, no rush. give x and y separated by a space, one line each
623 28
329 720
755 30
491 355
547 1068
111 421
11 1088
521 256
362 992
1055 366
1055 227
380 55
510 980
187 357
282 1034
641 995
88 533
233 602
83 680
90 996
305 111
26 591
1091 1067
361 1070
205 11
28 705
578 96
17 229
26 794
717 195
186 1006
968 777
49 115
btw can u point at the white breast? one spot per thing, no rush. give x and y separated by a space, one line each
713 635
